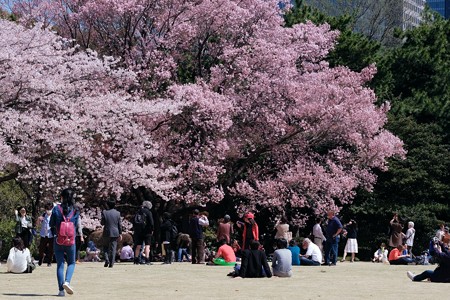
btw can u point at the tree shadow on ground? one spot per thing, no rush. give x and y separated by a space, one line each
27 295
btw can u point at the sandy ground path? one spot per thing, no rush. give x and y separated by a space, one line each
360 280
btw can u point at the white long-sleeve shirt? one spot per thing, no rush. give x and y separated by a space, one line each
203 221
410 233
18 260
317 232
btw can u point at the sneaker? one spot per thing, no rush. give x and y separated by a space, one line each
61 293
68 288
410 275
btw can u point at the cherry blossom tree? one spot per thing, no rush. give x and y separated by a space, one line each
68 118
263 122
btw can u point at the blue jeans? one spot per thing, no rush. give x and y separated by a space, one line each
331 248
401 261
308 262
182 252
59 254
425 275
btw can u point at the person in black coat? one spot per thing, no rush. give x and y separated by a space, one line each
254 263
442 272
167 238
112 231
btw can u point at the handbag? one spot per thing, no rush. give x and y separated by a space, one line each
30 267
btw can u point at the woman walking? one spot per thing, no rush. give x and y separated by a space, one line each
63 222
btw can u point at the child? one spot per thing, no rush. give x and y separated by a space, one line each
183 242
92 252
381 254
126 253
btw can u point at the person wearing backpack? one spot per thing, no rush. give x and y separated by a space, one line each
143 230
169 232
63 222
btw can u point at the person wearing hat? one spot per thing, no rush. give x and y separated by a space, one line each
225 229
250 230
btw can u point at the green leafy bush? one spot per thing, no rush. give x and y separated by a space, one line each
6 236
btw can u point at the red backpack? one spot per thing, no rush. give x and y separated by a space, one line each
66 233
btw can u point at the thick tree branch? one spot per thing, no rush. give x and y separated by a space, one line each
10 176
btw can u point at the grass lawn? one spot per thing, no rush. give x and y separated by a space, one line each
359 280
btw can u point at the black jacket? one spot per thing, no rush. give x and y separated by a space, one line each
149 224
442 273
166 231
253 261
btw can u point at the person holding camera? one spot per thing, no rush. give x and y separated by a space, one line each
397 235
24 226
250 230
442 272
352 243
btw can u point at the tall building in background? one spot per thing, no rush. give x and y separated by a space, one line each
376 19
412 13
440 6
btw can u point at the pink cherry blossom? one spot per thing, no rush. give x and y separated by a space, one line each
199 101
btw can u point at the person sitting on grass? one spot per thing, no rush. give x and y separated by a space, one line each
381 254
183 243
92 252
237 249
397 258
254 263
313 255
126 253
225 254
282 260
442 272
19 258
295 250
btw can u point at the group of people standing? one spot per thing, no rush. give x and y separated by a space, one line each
329 242
321 248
